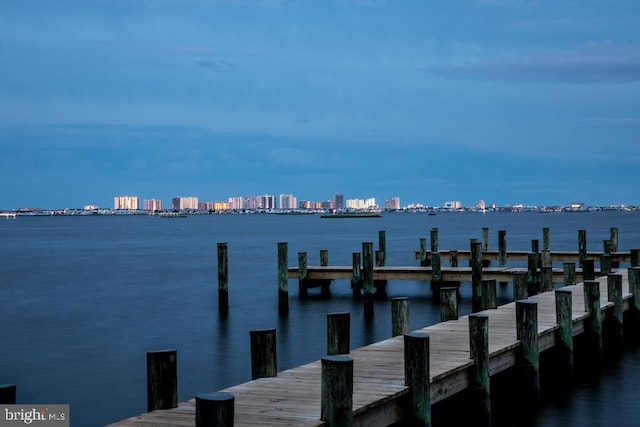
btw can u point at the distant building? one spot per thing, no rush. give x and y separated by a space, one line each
126 202
184 203
90 208
236 203
392 203
452 205
360 203
288 201
337 202
481 205
153 205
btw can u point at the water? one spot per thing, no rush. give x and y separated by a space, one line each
84 299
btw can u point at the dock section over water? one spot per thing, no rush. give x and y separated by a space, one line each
380 394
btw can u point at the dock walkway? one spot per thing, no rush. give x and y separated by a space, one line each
293 397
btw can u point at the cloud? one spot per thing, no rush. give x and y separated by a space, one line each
594 62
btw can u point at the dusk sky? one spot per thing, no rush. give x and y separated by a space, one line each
508 101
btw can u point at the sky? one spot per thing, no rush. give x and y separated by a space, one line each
528 102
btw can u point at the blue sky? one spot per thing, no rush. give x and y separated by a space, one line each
509 101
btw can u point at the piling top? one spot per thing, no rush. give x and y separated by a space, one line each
337 359
479 315
563 291
217 396
418 335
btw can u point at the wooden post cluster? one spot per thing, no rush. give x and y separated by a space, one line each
546 241
162 379
264 360
399 316
338 333
417 376
283 278
434 239
223 278
215 409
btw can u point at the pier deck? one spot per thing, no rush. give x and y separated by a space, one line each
293 397
448 274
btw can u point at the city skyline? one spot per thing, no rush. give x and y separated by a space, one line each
508 101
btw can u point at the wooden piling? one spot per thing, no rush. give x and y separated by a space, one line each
424 261
569 271
582 246
485 238
303 291
434 239
546 279
162 379
605 264
476 276
533 280
264 361
546 243
593 326
635 258
634 305
367 278
520 286
223 278
356 278
336 389
436 267
614 295
564 334
588 269
338 333
480 380
453 258
8 394
417 377
613 238
529 358
489 298
283 278
399 316
448 304
382 247
215 409
325 289
545 259
502 248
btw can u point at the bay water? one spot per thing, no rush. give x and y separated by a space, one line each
83 298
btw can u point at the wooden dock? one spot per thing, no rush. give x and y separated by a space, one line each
380 395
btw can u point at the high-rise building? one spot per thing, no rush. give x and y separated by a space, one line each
126 202
183 203
338 201
392 204
153 205
288 201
